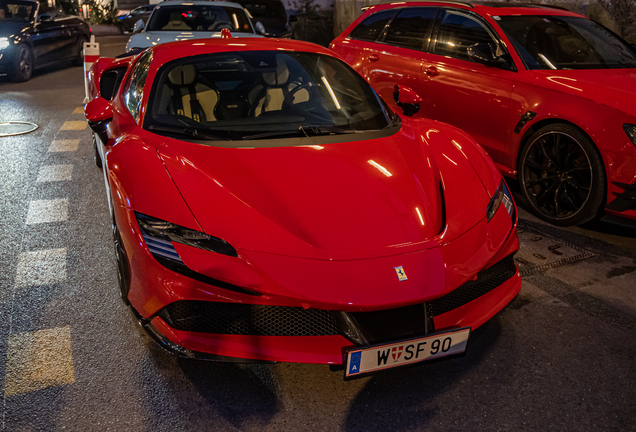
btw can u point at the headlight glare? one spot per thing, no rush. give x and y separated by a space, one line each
168 231
630 130
4 43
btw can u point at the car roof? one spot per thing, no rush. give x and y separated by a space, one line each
175 50
486 7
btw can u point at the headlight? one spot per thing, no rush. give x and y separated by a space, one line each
4 43
502 195
160 234
630 130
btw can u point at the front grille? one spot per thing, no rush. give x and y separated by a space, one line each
487 280
243 319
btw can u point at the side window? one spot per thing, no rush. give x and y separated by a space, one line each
135 88
458 32
372 27
50 10
411 28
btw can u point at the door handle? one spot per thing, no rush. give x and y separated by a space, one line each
431 71
374 57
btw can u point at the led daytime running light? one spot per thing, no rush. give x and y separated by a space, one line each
501 195
630 130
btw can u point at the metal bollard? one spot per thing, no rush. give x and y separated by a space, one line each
91 54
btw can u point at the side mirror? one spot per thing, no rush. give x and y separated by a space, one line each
44 18
99 113
139 26
407 99
260 28
484 53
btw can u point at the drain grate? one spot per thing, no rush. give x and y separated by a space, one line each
16 128
540 252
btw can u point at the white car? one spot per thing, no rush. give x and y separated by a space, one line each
178 20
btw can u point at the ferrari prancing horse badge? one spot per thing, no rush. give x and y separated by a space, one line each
401 274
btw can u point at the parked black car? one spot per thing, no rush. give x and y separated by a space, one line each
34 35
128 21
270 13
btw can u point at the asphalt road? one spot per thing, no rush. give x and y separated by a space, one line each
561 356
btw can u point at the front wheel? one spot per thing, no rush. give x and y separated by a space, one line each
123 270
22 64
561 175
97 157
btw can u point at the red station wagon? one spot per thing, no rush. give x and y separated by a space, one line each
548 93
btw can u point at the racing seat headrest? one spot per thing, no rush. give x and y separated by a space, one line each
183 75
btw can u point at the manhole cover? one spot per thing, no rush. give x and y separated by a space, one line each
539 252
16 128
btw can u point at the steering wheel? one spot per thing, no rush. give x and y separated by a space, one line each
290 96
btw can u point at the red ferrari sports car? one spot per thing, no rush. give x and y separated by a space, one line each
547 92
269 206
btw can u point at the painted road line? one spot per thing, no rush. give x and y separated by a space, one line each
42 267
46 211
64 145
79 110
38 360
55 173
74 125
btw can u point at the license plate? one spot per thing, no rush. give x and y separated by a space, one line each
378 357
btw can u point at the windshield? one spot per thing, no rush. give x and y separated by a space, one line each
17 11
265 9
186 18
560 42
252 95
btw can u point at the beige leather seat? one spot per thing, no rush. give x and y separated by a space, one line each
190 97
270 96
176 23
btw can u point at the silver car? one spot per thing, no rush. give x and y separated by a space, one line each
176 20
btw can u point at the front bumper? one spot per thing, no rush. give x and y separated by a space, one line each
195 319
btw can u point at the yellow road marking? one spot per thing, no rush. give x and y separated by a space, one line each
45 211
79 110
38 360
54 173
41 267
64 145
74 125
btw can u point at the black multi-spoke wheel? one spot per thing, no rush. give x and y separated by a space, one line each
561 175
22 64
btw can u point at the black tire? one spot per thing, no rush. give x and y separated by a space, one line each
561 175
22 64
97 157
79 57
123 269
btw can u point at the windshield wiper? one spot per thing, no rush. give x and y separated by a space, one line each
307 131
189 132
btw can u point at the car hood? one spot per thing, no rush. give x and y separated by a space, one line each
8 28
352 200
615 88
148 39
